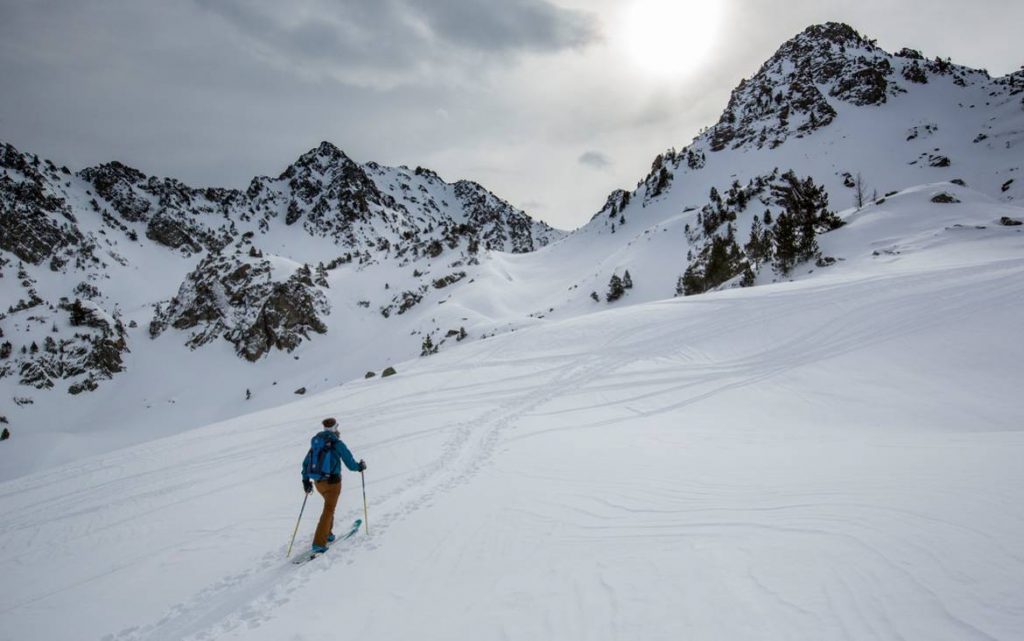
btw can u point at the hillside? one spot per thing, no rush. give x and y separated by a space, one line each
183 306
831 458
139 305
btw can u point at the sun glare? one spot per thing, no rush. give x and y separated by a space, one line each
670 38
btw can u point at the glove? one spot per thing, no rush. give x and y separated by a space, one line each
362 465
307 485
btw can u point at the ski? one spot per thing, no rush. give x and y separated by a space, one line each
309 556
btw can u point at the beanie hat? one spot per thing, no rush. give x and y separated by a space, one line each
330 424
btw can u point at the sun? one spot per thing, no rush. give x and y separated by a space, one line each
670 38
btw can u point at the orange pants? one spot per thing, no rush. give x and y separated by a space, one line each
331 492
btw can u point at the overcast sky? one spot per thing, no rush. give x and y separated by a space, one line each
549 103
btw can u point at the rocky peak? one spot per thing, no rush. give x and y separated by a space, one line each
11 158
329 191
835 54
501 226
826 36
108 174
428 174
785 98
115 183
323 159
36 221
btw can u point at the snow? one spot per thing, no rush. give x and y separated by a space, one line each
167 389
835 457
830 456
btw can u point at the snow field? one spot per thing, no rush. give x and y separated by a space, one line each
832 458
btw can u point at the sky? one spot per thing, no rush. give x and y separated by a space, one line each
550 104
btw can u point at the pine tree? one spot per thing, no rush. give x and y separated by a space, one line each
627 280
720 263
785 243
428 346
616 289
755 247
748 277
806 207
691 282
828 220
807 245
321 275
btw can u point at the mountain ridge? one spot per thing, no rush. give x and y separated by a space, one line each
333 268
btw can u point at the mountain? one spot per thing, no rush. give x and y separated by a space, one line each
114 275
750 399
831 108
180 306
827 459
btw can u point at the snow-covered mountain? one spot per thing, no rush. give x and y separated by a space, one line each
750 399
179 306
110 278
828 459
829 116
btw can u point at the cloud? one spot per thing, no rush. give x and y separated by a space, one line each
510 25
392 42
595 159
508 93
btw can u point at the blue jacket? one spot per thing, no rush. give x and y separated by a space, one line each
340 453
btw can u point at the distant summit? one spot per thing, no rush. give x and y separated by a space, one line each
796 90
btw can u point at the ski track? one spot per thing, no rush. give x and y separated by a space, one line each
699 378
644 371
249 598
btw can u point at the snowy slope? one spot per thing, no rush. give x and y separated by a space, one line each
424 258
156 261
835 457
974 122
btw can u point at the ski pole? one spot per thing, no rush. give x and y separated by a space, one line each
366 512
290 543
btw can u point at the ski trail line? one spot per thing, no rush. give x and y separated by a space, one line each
250 597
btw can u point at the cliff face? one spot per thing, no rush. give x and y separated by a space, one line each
246 299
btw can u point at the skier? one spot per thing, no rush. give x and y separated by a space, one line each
323 465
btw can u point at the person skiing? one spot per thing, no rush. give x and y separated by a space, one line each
322 466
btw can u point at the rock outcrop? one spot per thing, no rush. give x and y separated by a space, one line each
255 304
